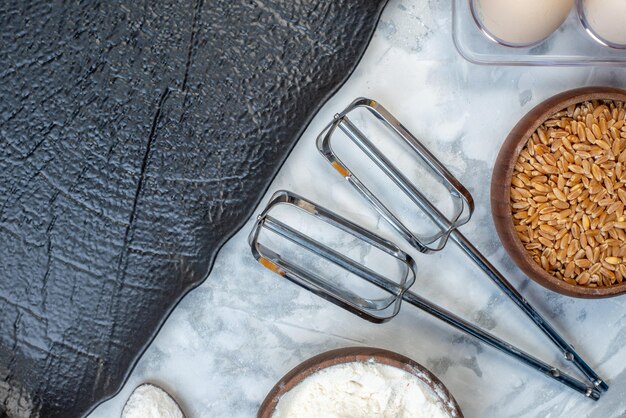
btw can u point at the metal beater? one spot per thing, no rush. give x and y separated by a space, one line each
386 305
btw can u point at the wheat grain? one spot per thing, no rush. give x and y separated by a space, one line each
568 194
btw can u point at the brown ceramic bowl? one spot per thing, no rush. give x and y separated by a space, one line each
349 355
501 183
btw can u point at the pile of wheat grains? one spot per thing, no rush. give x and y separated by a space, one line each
568 194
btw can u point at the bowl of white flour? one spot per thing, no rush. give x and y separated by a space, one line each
359 382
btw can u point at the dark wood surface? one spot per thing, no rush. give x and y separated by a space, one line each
360 354
136 138
501 188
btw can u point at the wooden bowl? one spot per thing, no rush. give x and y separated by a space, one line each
361 354
501 183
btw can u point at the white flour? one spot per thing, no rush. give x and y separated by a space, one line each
149 401
358 390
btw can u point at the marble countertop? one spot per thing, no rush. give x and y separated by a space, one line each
232 338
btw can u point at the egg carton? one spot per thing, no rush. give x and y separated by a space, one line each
569 45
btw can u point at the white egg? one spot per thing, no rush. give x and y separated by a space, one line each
605 20
520 22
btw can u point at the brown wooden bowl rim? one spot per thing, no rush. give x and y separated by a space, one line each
357 354
503 169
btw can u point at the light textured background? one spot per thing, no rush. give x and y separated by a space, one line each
231 339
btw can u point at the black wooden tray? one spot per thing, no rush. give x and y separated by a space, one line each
136 138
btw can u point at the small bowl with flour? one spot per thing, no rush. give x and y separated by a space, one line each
359 382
